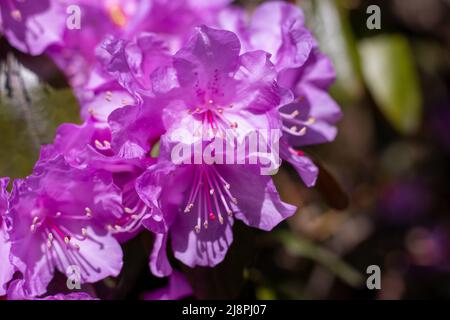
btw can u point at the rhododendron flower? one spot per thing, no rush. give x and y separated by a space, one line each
278 28
207 90
32 26
196 204
127 65
61 216
310 114
88 147
159 77
124 18
75 54
6 268
98 92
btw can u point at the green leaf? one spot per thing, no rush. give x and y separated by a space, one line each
391 76
30 112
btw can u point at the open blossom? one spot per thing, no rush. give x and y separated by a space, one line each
309 114
195 205
122 74
32 26
208 90
278 28
60 217
88 147
151 75
124 19
6 267
77 55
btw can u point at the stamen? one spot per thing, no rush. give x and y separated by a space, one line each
311 121
292 115
106 145
293 131
88 212
128 210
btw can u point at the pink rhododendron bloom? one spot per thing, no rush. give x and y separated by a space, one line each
155 79
207 89
196 204
76 55
309 114
60 217
88 147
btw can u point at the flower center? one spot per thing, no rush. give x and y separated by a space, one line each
56 234
213 121
210 195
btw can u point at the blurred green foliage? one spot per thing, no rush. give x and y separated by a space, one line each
391 77
30 112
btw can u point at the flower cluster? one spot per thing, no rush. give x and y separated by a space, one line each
155 78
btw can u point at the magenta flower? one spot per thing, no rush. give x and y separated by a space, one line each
209 88
124 18
88 147
6 268
195 206
61 216
206 90
278 28
131 62
75 54
309 114
122 74
32 26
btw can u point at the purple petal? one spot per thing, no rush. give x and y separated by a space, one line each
134 129
208 52
159 263
259 204
206 248
305 168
